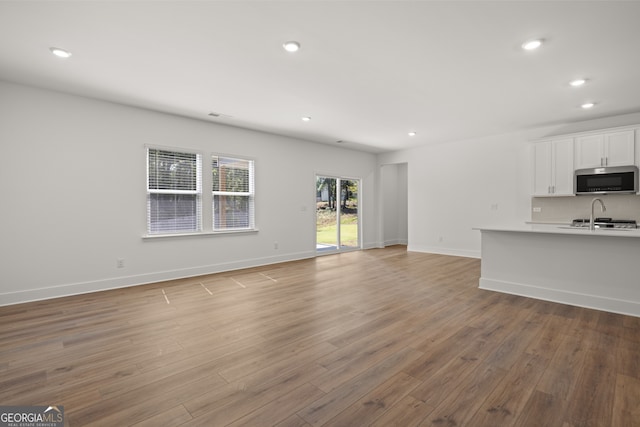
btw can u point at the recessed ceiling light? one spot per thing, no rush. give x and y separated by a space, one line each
532 44
588 105
577 82
412 133
306 119
291 46
60 53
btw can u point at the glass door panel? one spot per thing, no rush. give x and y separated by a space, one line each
336 214
326 214
348 214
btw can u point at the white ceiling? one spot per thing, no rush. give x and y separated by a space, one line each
368 72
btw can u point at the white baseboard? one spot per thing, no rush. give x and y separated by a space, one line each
395 242
564 297
29 295
444 251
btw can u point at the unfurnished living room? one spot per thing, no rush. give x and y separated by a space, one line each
320 213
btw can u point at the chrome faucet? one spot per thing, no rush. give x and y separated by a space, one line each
602 209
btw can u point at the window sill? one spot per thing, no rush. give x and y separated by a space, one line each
200 233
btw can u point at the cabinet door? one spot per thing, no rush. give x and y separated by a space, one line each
562 178
619 148
542 168
589 151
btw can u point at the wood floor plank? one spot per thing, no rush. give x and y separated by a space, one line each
276 361
561 376
347 362
591 402
408 412
293 421
381 337
334 402
280 409
626 405
446 380
373 405
505 403
438 356
232 402
628 358
459 407
541 405
171 417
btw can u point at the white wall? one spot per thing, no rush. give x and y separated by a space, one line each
73 185
455 186
394 199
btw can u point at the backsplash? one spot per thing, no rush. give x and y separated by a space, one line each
565 209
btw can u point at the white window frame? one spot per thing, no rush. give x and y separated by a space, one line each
205 199
197 192
249 194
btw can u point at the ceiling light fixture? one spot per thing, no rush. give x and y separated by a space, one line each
291 46
532 44
587 105
412 133
577 82
306 119
60 53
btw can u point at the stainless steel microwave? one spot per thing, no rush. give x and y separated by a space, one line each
616 179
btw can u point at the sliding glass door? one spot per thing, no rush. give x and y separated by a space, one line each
337 215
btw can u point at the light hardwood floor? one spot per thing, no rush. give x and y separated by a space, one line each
382 337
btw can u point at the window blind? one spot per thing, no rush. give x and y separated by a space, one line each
173 191
233 193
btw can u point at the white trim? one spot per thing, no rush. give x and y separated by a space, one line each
563 297
444 251
586 132
201 233
18 297
395 242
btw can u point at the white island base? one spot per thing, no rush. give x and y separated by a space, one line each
597 269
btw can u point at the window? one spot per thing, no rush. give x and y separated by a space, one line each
174 190
233 193
176 203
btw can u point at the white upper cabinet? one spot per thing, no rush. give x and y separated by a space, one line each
553 168
620 148
607 149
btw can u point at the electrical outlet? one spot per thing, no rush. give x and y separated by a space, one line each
120 263
537 209
440 239
275 245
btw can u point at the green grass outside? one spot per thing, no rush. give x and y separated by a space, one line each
326 229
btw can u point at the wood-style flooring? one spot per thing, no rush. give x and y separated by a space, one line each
381 337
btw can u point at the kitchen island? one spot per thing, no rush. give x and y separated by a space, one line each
589 268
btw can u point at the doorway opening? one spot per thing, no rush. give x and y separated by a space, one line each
337 214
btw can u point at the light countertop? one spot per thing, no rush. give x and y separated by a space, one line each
562 229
